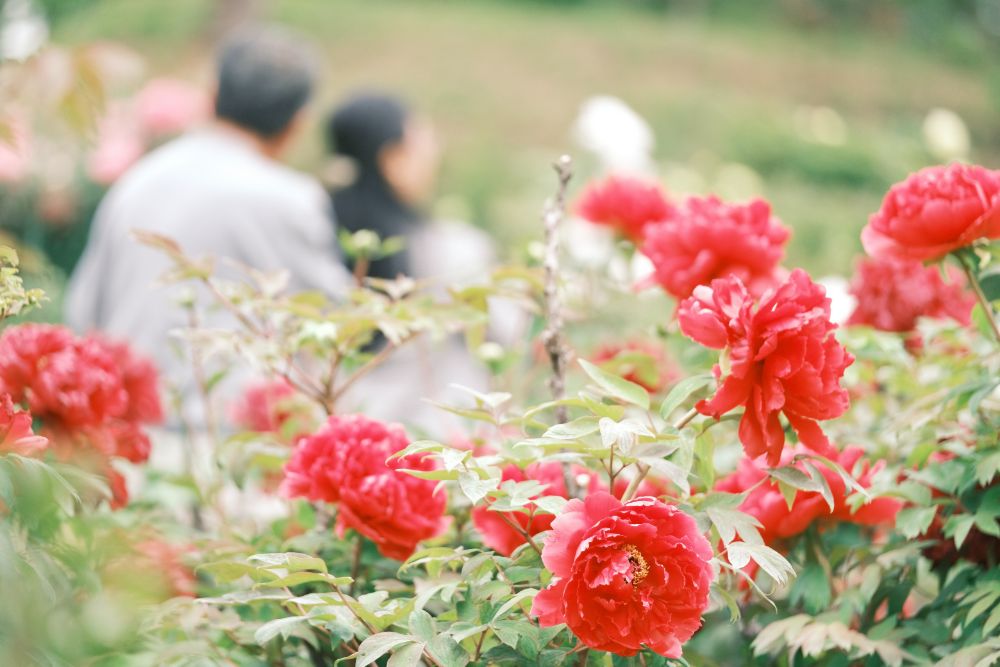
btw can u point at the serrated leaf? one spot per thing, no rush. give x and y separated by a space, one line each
914 521
769 560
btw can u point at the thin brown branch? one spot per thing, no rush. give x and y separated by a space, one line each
552 335
520 531
977 289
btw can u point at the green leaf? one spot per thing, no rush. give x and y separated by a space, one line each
476 489
279 626
422 625
616 387
913 522
958 527
682 390
526 594
447 652
291 561
821 483
407 656
772 562
375 646
812 588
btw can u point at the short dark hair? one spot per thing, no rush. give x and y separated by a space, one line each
265 77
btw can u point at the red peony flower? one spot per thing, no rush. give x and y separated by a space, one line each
347 462
141 382
493 526
780 357
266 407
705 238
639 361
934 211
93 396
626 576
15 431
892 294
624 204
766 503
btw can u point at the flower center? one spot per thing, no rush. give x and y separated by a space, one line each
640 568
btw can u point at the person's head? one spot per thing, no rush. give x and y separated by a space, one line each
387 144
265 78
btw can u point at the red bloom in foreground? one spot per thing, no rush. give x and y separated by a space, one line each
493 526
15 431
639 361
766 503
781 357
347 462
934 211
624 204
892 294
705 238
626 576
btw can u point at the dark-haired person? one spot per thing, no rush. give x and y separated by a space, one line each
394 157
219 190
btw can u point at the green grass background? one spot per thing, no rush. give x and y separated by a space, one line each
504 80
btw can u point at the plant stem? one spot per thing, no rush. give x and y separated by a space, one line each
977 289
520 531
356 563
552 335
643 469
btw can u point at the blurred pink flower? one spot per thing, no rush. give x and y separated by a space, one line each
15 151
170 106
119 145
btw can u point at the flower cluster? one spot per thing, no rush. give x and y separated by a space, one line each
626 575
347 461
705 238
892 294
935 211
92 395
779 522
627 205
780 358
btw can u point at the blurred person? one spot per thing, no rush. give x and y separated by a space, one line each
219 190
394 157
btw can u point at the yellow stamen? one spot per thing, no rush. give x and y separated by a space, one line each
640 568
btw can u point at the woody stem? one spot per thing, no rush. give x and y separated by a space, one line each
977 289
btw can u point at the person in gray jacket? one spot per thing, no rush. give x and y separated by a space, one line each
218 190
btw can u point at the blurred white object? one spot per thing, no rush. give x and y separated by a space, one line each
616 134
821 125
23 30
842 302
946 135
588 244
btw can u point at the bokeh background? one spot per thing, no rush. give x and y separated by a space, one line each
817 105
